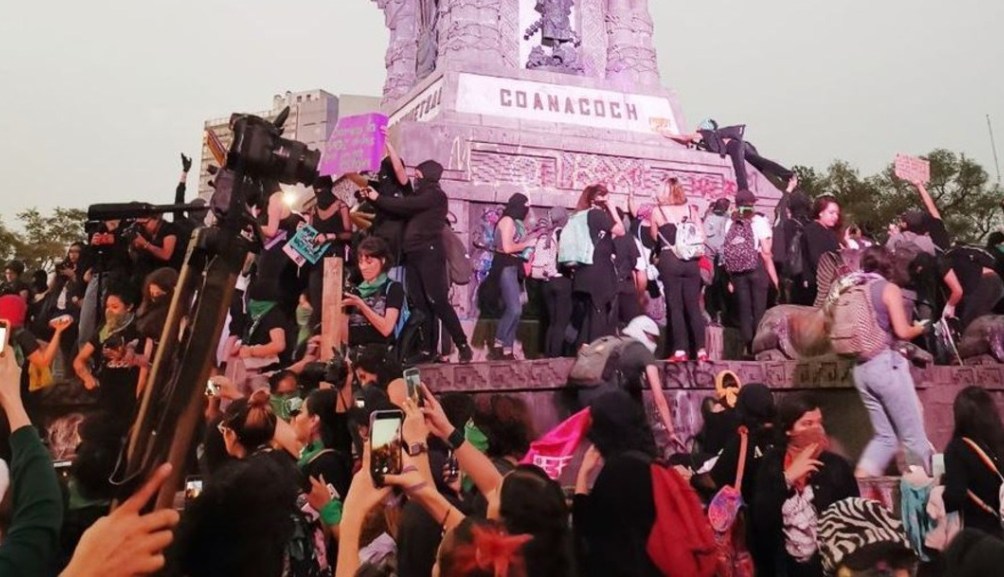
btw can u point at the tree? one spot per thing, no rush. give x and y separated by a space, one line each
43 239
969 203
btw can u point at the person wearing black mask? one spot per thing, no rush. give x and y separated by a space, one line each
424 256
511 243
391 180
330 217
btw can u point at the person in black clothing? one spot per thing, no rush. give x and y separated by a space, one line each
557 292
391 180
729 141
425 258
242 522
795 483
818 238
982 287
155 245
330 218
276 277
977 422
596 284
264 336
612 521
13 284
158 289
626 255
373 307
719 416
120 368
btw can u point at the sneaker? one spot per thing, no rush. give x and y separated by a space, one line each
702 356
465 353
678 357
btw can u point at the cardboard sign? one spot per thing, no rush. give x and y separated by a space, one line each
355 145
913 169
301 248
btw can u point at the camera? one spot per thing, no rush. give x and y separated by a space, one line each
261 151
334 371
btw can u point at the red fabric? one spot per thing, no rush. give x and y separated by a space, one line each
14 310
681 543
553 452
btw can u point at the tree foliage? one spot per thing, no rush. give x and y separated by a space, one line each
969 202
40 240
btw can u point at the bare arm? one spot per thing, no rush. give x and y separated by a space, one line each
618 228
954 288
767 255
892 297
80 366
44 358
271 227
507 231
928 201
346 233
276 345
395 159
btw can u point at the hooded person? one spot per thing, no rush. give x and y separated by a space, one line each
330 218
512 248
425 256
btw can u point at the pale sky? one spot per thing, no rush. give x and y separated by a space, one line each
98 97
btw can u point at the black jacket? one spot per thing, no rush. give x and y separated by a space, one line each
426 211
834 481
965 471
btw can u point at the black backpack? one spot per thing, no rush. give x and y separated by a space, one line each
795 254
301 555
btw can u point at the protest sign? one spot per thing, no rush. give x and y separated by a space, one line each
913 169
355 145
301 248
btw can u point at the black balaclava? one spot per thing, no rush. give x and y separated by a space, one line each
431 171
516 208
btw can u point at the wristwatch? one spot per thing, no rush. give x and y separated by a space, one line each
416 449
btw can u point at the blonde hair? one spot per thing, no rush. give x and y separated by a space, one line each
674 194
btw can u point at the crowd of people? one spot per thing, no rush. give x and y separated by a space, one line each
284 481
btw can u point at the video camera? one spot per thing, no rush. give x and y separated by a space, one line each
334 371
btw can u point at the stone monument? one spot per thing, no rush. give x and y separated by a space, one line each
542 97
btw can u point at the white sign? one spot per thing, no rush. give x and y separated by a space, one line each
525 100
423 107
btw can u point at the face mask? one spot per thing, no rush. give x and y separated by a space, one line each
807 437
302 316
115 320
324 199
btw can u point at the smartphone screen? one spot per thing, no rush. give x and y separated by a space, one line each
413 381
4 333
193 488
385 444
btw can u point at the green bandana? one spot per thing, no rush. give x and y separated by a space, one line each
303 322
479 441
281 406
258 309
113 324
309 452
367 289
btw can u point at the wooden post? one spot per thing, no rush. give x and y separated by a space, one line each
331 307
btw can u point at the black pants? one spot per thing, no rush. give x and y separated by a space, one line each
742 152
599 319
716 295
682 281
628 305
429 292
982 300
558 300
751 299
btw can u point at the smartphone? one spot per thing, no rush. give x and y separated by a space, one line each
413 382
62 469
452 466
4 334
385 444
193 488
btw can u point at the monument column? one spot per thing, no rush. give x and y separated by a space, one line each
478 32
631 58
402 19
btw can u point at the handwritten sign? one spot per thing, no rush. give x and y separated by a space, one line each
355 145
301 248
913 169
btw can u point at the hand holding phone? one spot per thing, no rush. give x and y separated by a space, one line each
385 445
413 383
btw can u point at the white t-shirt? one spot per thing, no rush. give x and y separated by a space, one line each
761 230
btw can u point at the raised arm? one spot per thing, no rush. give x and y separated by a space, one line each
405 206
928 201
395 159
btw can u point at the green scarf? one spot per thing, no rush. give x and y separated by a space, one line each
110 328
309 452
303 322
257 311
367 289
478 440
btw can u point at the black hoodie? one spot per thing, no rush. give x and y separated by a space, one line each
426 210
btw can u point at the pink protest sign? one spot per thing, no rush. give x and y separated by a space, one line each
355 145
913 169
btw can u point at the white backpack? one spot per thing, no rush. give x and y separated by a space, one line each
544 263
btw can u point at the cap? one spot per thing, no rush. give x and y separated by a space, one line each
745 198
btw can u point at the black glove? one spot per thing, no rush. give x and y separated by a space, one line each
186 163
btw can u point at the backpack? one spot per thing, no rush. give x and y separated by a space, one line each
458 260
740 254
544 263
854 329
681 543
714 230
1000 491
576 245
795 252
301 551
725 514
688 243
597 361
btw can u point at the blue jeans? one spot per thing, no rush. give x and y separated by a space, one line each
889 395
505 333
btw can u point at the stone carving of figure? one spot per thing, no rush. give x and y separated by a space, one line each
428 37
555 26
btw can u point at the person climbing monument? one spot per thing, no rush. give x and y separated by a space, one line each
729 141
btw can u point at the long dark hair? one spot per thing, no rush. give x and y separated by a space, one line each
977 418
323 403
589 194
531 503
619 425
876 259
